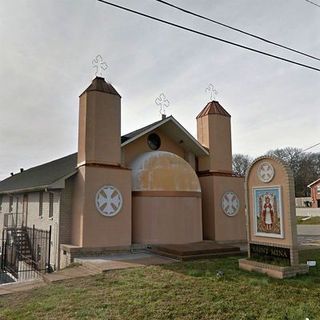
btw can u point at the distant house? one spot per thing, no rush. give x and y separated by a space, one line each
315 193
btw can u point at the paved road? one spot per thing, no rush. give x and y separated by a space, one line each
308 230
309 235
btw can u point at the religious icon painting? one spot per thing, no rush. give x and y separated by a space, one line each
267 213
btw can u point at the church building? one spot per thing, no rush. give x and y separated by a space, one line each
156 185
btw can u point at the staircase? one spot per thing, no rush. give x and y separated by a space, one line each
22 242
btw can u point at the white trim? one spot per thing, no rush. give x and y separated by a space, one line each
146 131
312 183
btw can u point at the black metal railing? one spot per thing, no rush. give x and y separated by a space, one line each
25 252
17 267
40 244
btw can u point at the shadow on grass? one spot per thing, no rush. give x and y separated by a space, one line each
227 269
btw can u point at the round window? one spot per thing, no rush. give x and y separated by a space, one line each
154 141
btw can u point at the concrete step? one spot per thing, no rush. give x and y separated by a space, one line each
196 256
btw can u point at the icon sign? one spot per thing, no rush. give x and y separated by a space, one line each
108 201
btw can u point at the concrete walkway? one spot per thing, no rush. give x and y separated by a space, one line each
94 265
88 267
21 286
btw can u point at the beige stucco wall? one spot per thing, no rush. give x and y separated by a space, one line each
214 132
229 228
99 128
216 224
163 171
207 207
90 228
160 220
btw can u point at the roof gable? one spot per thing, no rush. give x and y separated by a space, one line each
313 183
174 130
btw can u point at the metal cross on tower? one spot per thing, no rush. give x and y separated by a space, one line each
213 92
99 65
163 103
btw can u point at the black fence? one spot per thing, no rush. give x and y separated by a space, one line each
25 252
40 244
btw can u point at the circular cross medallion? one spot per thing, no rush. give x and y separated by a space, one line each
230 204
108 201
265 172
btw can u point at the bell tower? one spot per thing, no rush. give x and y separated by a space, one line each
101 204
218 183
214 132
99 124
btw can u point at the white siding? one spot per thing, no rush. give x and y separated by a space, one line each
33 218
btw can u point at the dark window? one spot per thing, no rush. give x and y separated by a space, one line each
40 204
10 203
50 205
154 141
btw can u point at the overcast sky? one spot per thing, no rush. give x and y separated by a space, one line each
47 48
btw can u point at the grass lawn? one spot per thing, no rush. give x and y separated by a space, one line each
187 290
312 220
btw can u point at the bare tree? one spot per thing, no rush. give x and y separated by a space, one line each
240 164
305 167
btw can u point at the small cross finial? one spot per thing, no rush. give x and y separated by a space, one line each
163 103
99 65
213 92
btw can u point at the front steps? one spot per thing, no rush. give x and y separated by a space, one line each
197 250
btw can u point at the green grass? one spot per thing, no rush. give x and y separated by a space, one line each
186 290
312 220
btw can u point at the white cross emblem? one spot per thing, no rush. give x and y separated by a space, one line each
212 91
265 172
99 65
163 102
108 201
230 204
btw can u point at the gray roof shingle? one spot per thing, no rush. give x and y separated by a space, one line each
40 176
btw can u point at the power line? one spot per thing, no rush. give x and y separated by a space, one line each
317 144
209 36
315 4
238 30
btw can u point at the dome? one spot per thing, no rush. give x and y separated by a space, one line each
163 171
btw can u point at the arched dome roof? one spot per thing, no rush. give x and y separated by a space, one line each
163 171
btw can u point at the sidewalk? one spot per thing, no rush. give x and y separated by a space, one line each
94 265
21 286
